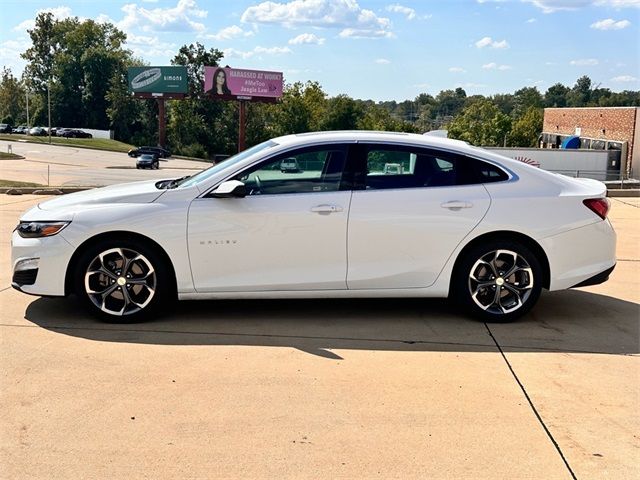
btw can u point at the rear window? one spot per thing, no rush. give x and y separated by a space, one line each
490 173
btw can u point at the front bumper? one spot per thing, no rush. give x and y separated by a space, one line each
53 254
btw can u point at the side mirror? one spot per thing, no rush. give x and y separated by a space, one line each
230 189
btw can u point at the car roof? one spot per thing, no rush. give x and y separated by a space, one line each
370 136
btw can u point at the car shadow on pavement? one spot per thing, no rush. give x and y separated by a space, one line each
568 321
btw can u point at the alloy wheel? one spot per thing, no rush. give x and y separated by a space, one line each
120 281
500 282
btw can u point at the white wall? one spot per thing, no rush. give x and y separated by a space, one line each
559 159
98 133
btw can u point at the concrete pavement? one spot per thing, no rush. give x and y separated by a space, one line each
339 389
69 166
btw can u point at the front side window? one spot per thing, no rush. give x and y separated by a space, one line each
400 167
306 170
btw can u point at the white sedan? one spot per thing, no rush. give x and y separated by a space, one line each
364 214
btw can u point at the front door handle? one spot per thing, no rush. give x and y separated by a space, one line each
456 205
326 208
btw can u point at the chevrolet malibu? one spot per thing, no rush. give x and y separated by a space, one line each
366 214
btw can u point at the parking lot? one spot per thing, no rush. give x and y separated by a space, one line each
403 388
62 166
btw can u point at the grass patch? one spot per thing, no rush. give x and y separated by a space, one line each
10 156
13 183
94 143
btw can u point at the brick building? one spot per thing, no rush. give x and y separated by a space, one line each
599 128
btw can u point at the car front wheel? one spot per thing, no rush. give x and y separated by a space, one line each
498 282
122 281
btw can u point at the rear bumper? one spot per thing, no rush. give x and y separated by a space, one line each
581 255
596 279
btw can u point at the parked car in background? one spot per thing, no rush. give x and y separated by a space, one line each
61 131
22 130
147 160
158 151
289 165
458 221
38 132
74 133
5 128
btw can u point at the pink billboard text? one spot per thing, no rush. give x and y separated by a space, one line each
239 82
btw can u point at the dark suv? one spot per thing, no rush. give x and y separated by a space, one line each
5 128
158 151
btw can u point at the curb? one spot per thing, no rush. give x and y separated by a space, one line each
627 192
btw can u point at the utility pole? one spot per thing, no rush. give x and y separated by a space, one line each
27 94
49 107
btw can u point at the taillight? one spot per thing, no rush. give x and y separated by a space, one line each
599 206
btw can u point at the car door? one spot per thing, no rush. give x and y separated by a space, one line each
412 208
288 233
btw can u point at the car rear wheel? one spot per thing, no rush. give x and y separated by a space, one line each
122 281
498 282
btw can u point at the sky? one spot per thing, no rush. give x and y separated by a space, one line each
374 49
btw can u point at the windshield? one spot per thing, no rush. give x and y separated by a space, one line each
211 171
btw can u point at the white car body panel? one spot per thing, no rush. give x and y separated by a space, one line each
269 242
383 242
407 251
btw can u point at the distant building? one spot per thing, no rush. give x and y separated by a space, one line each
616 129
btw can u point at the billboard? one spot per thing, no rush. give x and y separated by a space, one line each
242 84
157 79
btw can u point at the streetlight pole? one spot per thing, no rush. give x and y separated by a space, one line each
49 107
27 94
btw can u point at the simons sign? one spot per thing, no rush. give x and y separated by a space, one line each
157 79
242 84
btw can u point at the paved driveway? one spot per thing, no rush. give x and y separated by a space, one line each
69 166
325 389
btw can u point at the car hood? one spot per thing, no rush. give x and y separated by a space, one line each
138 192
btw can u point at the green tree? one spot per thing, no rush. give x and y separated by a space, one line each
451 102
12 99
580 94
556 96
195 124
524 99
527 128
301 109
76 60
342 113
481 123
376 117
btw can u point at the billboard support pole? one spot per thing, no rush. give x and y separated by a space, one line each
241 127
161 123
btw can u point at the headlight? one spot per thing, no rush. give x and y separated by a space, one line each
39 229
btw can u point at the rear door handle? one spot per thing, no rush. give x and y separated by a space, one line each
456 205
326 209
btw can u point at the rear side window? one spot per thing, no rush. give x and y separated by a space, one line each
393 167
490 173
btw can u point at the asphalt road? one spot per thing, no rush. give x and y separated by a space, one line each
68 166
351 389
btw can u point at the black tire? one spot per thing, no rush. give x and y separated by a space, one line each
136 294
498 282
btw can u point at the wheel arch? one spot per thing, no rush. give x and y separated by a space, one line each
507 235
114 236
